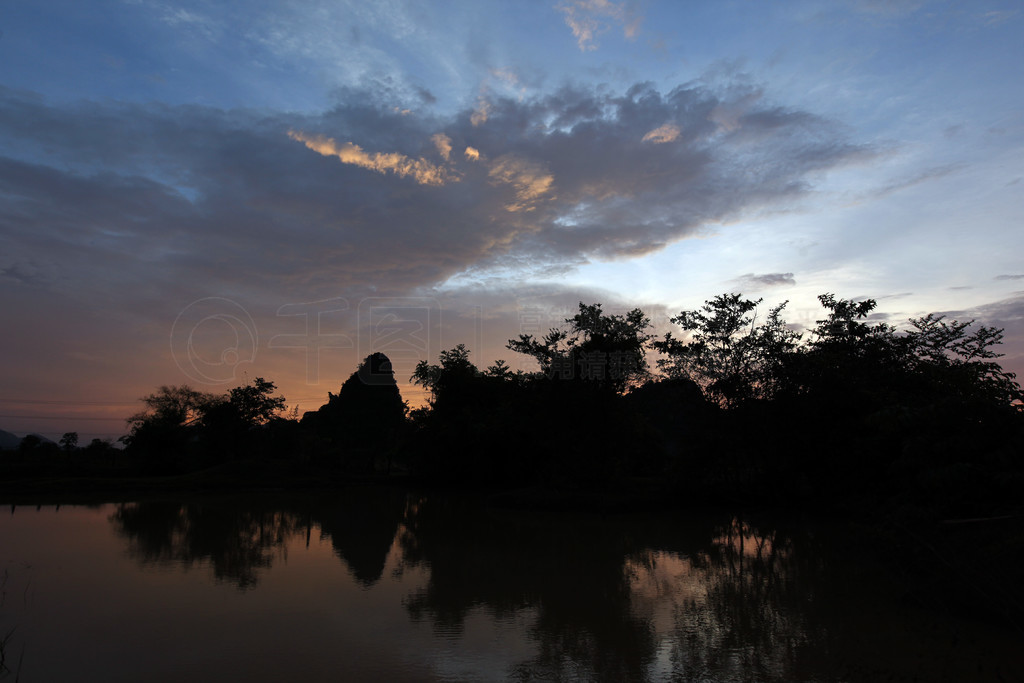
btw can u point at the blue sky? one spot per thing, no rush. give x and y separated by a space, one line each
203 192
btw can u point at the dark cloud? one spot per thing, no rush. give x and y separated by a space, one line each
1007 315
229 193
139 210
925 176
425 95
756 282
1009 277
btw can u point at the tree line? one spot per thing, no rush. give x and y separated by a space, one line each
738 407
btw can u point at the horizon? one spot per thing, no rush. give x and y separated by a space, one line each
199 194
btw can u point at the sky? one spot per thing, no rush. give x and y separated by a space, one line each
205 192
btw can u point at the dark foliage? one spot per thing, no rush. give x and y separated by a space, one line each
852 412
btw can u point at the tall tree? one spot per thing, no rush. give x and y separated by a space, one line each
172 406
448 381
254 403
731 356
602 350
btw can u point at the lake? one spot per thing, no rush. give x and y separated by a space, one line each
384 584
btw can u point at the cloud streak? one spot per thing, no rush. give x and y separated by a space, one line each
766 280
421 170
530 180
662 134
587 19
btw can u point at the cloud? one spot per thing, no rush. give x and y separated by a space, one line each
181 182
1008 277
480 114
510 81
530 180
421 170
729 115
662 134
925 176
1002 312
118 216
590 18
443 144
995 17
425 95
1007 315
757 282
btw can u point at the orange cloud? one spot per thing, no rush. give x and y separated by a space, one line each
443 144
663 134
421 170
588 18
530 180
480 114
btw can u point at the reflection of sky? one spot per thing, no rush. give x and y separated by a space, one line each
662 585
652 154
675 598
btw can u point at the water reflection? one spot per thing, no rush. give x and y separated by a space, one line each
236 542
569 572
623 598
584 596
239 540
362 526
732 607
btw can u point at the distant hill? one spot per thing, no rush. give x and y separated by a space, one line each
8 440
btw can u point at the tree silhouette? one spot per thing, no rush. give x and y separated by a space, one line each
459 434
164 432
732 357
69 441
253 402
918 415
606 351
172 406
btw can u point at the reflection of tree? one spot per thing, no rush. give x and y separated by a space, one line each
629 599
570 573
762 602
748 620
650 597
239 539
236 541
362 525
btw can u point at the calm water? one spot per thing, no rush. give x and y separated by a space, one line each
383 585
